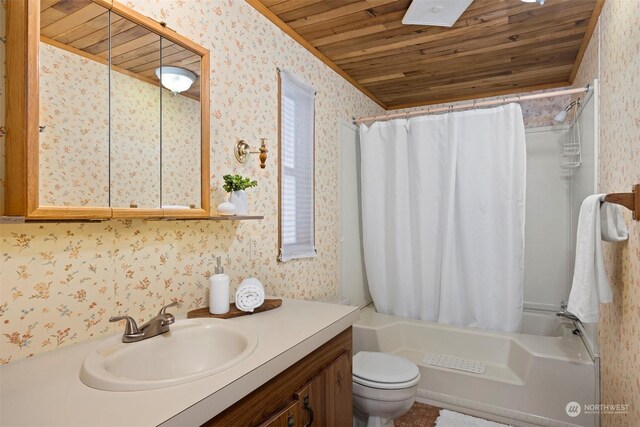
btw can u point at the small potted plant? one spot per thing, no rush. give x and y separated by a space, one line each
235 186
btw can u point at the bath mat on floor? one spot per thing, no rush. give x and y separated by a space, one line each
455 419
452 362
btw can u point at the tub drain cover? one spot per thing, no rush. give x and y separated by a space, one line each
452 362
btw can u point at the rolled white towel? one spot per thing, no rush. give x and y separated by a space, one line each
250 295
612 222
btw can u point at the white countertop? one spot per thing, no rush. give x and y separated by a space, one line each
46 390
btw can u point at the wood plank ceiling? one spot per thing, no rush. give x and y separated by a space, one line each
496 47
82 27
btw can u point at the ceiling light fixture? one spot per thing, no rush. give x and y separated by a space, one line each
540 2
176 79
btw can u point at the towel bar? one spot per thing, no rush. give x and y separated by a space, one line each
630 201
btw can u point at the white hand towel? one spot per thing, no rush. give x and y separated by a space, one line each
590 282
250 295
613 227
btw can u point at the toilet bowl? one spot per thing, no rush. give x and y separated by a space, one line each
384 388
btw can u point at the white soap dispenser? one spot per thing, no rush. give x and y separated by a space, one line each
219 291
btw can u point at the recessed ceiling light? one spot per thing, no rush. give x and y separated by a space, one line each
441 13
540 2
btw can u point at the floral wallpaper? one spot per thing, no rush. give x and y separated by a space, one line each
135 143
180 150
74 147
59 283
535 112
613 56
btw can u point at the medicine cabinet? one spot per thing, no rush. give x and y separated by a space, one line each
107 114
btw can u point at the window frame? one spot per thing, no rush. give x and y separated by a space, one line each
281 168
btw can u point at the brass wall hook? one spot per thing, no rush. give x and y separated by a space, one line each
242 151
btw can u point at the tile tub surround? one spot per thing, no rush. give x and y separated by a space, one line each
59 283
613 56
51 381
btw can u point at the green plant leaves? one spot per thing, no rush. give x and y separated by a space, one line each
237 183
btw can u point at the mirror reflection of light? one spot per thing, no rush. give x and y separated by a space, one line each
176 79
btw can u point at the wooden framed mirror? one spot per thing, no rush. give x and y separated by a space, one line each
116 118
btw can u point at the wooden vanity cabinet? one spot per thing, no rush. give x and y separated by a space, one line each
316 391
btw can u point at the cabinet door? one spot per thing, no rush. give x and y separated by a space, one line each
320 384
289 417
310 404
337 397
181 170
135 116
73 145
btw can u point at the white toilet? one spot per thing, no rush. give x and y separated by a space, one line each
384 388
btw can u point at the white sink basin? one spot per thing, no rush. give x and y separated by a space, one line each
192 349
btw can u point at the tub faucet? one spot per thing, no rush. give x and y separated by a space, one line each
564 313
156 326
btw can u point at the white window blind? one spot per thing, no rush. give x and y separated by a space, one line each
297 237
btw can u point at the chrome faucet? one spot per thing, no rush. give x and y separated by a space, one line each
564 313
156 326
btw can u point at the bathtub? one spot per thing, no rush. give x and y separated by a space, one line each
530 377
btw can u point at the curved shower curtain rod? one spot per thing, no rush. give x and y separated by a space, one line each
475 104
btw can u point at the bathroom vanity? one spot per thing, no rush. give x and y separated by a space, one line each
316 389
301 366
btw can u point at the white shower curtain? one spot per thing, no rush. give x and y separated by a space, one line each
443 216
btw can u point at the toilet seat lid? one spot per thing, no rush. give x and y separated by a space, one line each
384 368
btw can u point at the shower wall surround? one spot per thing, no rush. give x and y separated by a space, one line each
613 56
59 283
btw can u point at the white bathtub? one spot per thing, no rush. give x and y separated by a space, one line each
530 377
544 324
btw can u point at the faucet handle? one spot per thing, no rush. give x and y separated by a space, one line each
130 328
163 310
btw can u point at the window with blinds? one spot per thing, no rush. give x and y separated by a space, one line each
297 239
